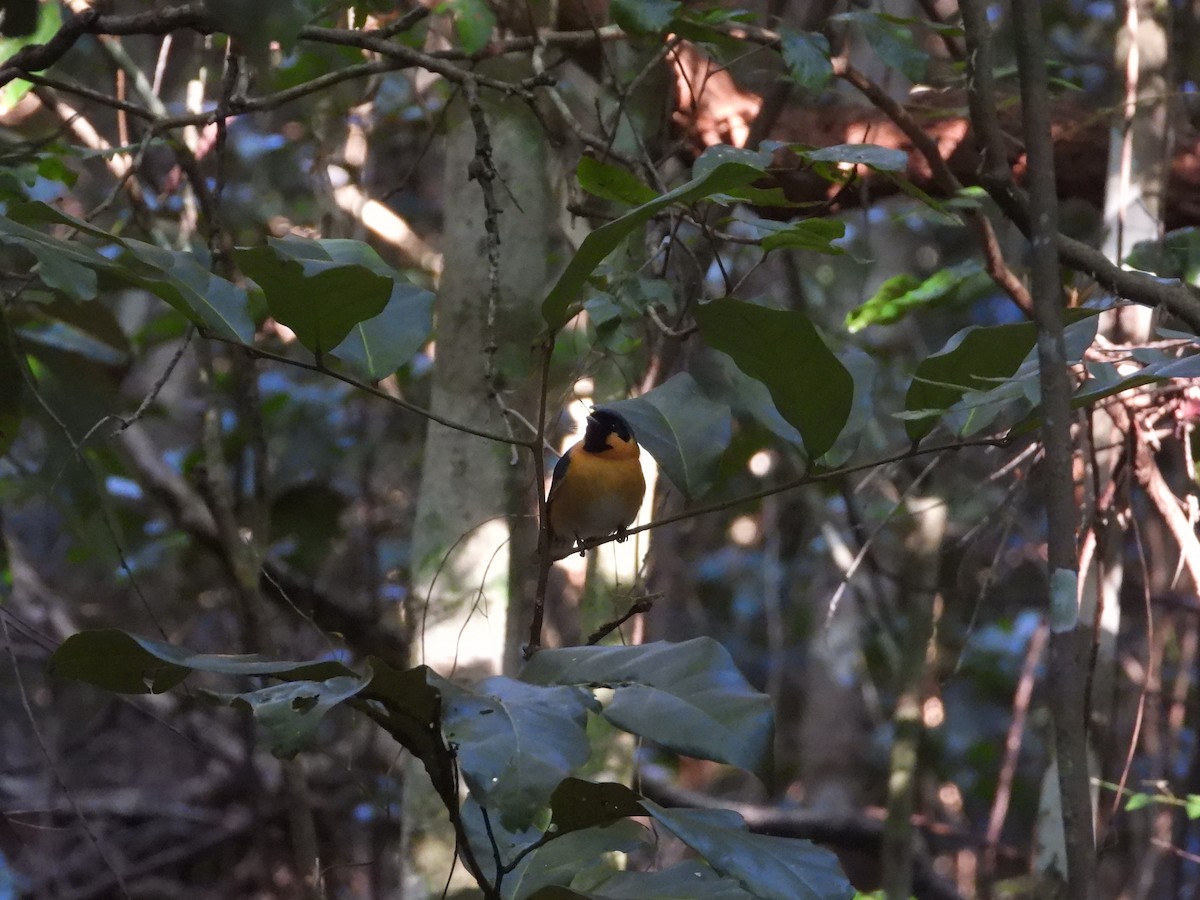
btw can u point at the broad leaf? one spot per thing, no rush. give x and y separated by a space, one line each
781 348
49 20
682 429
560 861
771 868
982 369
128 664
577 804
379 346
689 880
290 713
895 43
689 697
806 55
319 289
611 182
882 159
1177 255
644 16
722 381
515 741
557 307
474 22
807 234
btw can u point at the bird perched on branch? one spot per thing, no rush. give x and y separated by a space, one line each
598 486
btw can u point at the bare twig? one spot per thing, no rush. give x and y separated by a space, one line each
640 605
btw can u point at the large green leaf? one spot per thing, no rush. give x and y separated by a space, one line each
689 880
577 804
611 182
379 346
721 379
893 39
689 697
290 713
474 22
682 429
557 308
1176 255
771 868
128 664
516 741
783 350
882 159
319 289
980 370
560 862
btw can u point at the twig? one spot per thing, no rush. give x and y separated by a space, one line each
640 605
545 556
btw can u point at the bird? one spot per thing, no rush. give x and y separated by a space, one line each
598 485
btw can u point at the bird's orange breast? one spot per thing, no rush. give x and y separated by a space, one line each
599 494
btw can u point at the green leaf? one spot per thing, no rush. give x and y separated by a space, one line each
176 277
902 294
806 234
682 429
557 307
49 20
577 804
1176 255
128 664
806 55
1137 801
721 380
290 713
611 182
771 868
10 390
319 289
689 697
1192 806
689 880
644 16
474 22
379 346
881 159
559 862
972 360
515 741
781 348
894 42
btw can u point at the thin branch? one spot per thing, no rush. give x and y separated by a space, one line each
639 606
372 390
1068 638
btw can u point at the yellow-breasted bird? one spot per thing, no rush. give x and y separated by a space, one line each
598 485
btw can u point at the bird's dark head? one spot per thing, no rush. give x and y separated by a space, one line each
603 424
